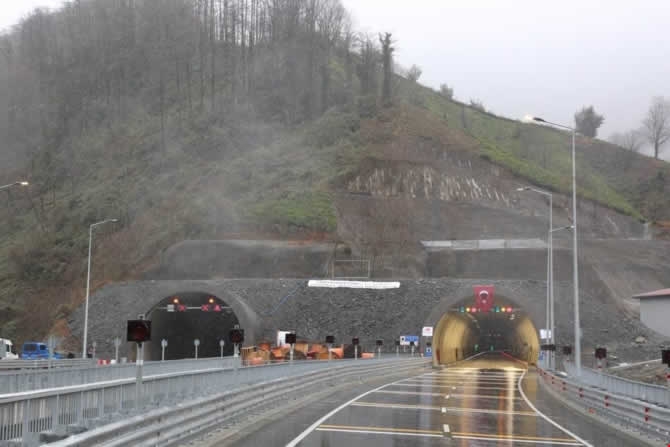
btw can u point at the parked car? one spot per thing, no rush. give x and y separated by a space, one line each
33 350
7 350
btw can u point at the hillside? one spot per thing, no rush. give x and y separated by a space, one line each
250 122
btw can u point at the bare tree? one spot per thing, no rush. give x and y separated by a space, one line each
477 104
657 123
446 91
414 73
387 62
631 140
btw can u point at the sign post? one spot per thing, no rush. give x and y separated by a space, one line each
222 343
164 344
665 358
380 343
117 343
330 339
354 341
139 331
397 348
291 339
196 343
411 345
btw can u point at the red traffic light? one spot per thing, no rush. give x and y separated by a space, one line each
139 331
236 336
290 339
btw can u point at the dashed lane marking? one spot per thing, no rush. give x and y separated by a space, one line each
381 430
455 396
442 409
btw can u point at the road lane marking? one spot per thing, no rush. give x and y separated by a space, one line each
320 421
401 406
457 396
378 432
515 440
546 418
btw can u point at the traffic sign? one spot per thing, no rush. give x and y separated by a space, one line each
330 339
427 331
405 340
665 356
355 341
170 307
601 353
139 331
429 351
290 338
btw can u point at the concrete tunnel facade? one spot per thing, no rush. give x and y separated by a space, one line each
263 306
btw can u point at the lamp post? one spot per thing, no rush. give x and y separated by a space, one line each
2 188
551 277
550 259
88 280
575 255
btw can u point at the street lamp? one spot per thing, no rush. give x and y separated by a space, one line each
88 279
550 257
551 277
575 264
13 184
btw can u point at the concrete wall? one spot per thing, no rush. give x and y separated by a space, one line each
654 313
368 314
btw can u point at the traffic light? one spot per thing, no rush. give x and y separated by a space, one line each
236 336
354 341
601 353
210 300
175 300
330 339
181 307
380 342
567 350
665 356
139 331
290 338
204 307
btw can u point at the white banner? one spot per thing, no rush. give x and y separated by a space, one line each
336 284
427 331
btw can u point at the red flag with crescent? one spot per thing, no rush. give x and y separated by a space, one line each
484 297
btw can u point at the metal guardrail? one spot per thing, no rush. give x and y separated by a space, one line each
41 364
25 415
37 379
618 385
649 420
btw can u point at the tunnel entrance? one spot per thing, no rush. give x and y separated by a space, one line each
183 317
463 331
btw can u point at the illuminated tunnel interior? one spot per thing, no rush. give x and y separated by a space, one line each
186 321
462 332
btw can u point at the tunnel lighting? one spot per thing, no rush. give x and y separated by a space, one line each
175 300
211 300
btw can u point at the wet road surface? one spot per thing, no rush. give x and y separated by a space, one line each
488 401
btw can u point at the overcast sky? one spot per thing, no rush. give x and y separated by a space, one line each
521 56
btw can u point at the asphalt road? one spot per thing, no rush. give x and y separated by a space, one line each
488 401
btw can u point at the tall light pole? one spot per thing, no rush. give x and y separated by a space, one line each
575 255
550 256
88 280
552 325
3 187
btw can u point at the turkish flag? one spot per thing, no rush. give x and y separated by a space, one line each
484 297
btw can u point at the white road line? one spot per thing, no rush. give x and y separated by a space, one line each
514 440
375 432
313 427
546 418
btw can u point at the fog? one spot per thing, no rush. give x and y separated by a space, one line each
532 57
520 57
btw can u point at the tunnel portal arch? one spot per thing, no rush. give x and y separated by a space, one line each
188 320
458 334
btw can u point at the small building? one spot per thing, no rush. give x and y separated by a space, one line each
655 310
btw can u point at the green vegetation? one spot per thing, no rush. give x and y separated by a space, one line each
308 210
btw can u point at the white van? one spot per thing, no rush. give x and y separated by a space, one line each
7 350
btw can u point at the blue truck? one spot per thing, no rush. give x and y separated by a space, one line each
33 350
